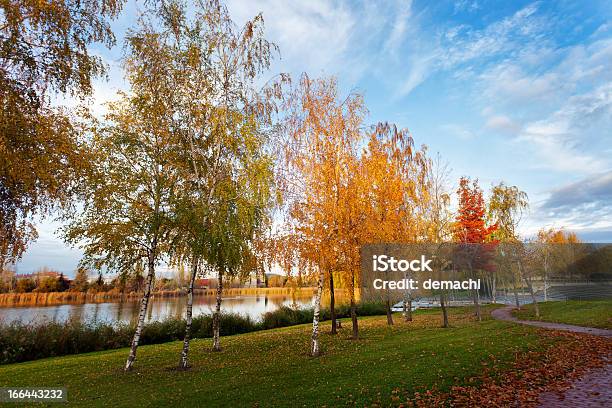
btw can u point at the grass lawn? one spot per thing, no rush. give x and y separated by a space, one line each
272 368
588 313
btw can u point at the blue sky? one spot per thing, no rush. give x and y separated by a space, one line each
517 91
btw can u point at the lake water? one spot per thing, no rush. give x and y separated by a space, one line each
159 309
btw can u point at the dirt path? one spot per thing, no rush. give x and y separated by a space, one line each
594 389
505 313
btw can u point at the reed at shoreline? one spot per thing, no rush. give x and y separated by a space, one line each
57 298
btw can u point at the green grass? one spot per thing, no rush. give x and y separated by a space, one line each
272 368
588 313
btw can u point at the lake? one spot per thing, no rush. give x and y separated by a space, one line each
159 308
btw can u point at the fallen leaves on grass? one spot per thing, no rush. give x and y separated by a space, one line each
568 356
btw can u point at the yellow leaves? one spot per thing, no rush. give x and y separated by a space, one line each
557 236
342 196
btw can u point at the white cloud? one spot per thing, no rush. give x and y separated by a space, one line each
583 206
563 136
510 83
312 36
457 130
502 123
420 69
466 5
507 34
400 26
523 79
562 104
458 46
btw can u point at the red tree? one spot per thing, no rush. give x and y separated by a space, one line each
471 227
471 230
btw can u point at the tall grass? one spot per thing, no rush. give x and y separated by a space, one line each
56 298
23 342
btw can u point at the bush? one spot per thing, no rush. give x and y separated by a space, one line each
23 342
286 316
25 285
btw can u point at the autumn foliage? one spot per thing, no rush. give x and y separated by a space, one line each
471 225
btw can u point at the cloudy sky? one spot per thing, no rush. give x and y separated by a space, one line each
516 91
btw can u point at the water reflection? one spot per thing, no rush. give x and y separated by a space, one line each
159 309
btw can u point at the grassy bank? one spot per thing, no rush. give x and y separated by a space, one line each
23 342
272 368
588 313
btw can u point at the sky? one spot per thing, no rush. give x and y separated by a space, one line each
519 92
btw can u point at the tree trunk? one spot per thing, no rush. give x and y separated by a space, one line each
388 307
354 312
188 317
536 307
476 305
332 304
530 287
144 303
444 310
546 278
217 315
389 314
315 349
493 287
408 310
516 298
354 319
476 297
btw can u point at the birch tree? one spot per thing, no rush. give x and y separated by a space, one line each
548 241
322 136
221 117
507 205
393 183
127 194
435 207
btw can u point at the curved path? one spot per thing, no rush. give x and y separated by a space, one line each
592 390
505 313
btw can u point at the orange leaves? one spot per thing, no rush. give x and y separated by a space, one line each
471 227
348 187
557 236
393 184
320 155
566 357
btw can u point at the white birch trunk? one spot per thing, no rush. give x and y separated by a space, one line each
546 278
189 316
527 281
217 316
315 349
144 303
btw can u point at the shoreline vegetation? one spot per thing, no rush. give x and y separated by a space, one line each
32 341
58 298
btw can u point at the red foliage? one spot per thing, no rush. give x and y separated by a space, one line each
471 226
